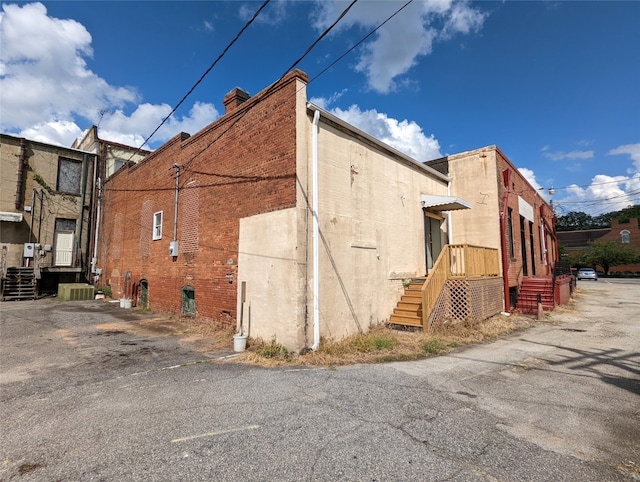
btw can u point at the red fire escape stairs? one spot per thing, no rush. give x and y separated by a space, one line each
531 288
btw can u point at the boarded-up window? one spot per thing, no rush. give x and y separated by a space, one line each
146 228
190 207
69 175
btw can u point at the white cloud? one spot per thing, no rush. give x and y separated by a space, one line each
604 194
405 136
53 132
47 89
398 45
530 176
633 150
273 14
571 156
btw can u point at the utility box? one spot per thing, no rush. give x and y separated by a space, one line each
75 291
29 249
173 248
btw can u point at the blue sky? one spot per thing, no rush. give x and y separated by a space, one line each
555 84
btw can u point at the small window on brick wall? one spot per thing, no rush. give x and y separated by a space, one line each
625 236
157 225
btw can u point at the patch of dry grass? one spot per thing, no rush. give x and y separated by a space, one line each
384 344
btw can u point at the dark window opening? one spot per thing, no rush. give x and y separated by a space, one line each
510 233
523 247
188 301
532 247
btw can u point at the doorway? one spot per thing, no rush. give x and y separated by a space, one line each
63 238
432 238
144 294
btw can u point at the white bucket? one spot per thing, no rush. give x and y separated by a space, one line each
125 303
239 343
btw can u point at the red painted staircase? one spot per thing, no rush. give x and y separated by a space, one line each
528 295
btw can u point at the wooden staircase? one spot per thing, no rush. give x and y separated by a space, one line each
529 291
408 312
19 284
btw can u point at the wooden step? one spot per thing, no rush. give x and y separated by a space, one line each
405 320
409 305
417 312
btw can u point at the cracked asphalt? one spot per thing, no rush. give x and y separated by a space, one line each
89 393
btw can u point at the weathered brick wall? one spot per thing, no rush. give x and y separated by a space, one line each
241 165
519 187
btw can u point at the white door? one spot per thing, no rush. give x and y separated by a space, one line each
64 249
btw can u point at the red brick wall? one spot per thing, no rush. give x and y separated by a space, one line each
633 227
241 165
520 187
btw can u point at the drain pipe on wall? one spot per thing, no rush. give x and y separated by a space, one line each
315 235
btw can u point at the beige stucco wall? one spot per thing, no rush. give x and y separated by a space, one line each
474 178
268 264
371 238
272 258
372 230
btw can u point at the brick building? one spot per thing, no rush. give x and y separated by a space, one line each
507 213
46 200
222 225
622 232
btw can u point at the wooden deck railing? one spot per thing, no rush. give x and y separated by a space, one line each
457 261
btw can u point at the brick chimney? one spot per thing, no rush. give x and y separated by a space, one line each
234 98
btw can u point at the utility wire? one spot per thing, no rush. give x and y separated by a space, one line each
275 84
206 72
357 44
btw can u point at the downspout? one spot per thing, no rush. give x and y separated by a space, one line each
94 260
20 180
85 167
503 241
315 235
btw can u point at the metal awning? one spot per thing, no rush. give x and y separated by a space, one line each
11 217
444 203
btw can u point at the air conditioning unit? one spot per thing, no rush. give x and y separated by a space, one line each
29 249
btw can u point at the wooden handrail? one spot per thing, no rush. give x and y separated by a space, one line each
434 283
457 261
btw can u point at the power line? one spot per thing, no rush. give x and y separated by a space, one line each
206 72
275 84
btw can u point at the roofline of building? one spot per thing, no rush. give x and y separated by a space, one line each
55 146
584 230
493 147
386 147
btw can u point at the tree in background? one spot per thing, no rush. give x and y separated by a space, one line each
608 254
577 220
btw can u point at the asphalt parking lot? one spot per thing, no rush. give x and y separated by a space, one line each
93 392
